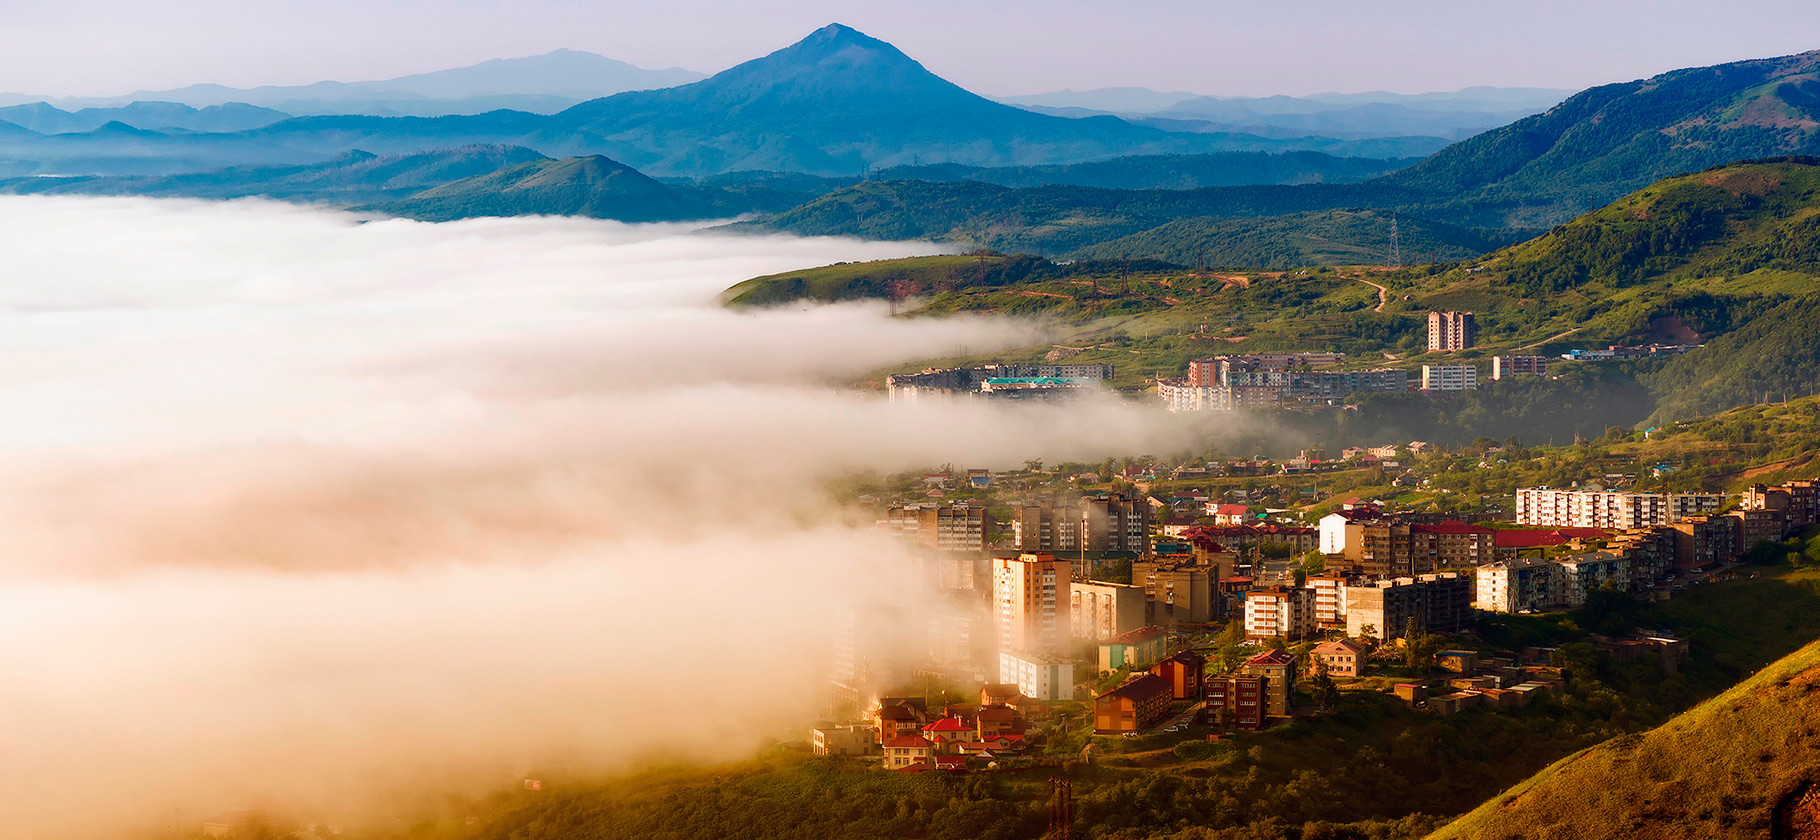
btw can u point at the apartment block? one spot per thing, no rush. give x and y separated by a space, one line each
1175 593
1115 523
1030 601
957 527
1329 601
1278 668
1279 612
1702 541
1439 603
1451 331
1241 698
1038 676
1583 574
1797 501
1524 583
1047 526
1608 509
1137 648
1185 672
1137 704
1101 611
1445 378
1504 367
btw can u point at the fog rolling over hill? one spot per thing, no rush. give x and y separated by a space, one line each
332 512
541 83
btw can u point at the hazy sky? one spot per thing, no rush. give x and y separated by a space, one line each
107 47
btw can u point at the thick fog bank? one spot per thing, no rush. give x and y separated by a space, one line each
298 508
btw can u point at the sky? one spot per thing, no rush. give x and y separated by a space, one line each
301 510
1218 47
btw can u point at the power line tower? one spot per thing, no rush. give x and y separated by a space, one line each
1061 810
1396 250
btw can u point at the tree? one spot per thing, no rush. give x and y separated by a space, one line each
1033 465
1325 692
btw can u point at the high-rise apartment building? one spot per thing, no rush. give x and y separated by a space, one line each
1115 523
1451 331
1030 603
1047 526
1102 611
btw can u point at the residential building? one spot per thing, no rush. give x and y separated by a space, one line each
1279 612
1451 331
1136 649
1439 603
872 647
1756 526
1053 527
1451 545
1341 656
1030 600
1329 601
1240 698
1333 525
1185 672
1299 539
905 750
967 383
1278 668
1650 552
893 721
1582 574
1702 541
1175 592
956 527
1504 367
1038 676
1134 705
1444 378
1797 501
1115 523
850 739
1101 611
1519 584
1604 509
1225 514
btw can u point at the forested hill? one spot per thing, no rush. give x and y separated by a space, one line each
1540 171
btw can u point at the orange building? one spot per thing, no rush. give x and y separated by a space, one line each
1137 703
1184 672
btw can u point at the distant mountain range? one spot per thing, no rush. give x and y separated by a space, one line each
540 84
1535 173
1450 115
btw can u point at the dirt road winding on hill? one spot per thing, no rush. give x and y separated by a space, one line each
1383 293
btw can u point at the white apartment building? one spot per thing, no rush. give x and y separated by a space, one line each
1450 378
1279 612
1039 676
1605 509
1504 367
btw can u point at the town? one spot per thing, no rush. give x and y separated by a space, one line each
1057 618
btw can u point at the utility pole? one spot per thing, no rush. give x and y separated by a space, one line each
1396 250
1061 810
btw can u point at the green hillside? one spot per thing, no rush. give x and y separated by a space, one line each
1729 257
1737 766
581 186
1329 237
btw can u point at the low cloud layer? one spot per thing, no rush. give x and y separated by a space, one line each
302 508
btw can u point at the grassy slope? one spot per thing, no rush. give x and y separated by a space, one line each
1712 773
